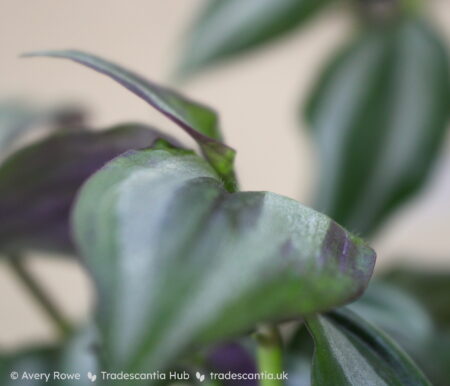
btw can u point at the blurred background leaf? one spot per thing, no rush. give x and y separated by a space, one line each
379 115
411 306
76 354
429 287
39 182
395 312
234 357
18 117
298 357
225 29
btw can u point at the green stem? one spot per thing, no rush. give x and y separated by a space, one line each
34 288
270 354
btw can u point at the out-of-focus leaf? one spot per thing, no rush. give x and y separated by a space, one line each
379 115
38 183
18 117
199 121
179 261
434 357
227 28
395 312
15 118
349 351
298 358
232 357
76 356
430 288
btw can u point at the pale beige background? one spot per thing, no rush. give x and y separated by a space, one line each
257 99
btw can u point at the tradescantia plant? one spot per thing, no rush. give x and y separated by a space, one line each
180 258
378 115
379 110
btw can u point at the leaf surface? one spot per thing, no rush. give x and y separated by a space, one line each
379 115
179 261
228 28
197 120
75 355
350 351
39 182
430 287
17 117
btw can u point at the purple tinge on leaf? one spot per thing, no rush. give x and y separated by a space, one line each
235 358
39 182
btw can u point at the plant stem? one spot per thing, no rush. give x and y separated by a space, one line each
270 354
34 288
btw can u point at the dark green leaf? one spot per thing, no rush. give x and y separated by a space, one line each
227 28
430 287
199 121
298 358
38 183
379 115
349 351
180 261
397 313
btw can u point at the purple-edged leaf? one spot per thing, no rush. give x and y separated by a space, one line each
199 121
350 351
179 261
38 183
18 117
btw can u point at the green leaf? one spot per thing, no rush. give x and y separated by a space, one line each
379 115
298 358
199 121
228 28
15 118
76 355
18 117
349 351
38 183
179 261
429 287
397 313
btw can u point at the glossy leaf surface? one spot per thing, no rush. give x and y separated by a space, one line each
349 351
227 28
39 182
179 261
199 121
379 116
